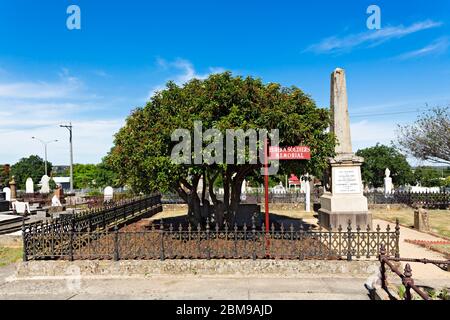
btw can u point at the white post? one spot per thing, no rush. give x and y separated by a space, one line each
308 195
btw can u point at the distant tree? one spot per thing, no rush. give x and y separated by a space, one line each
4 176
84 175
31 167
94 176
447 182
429 137
380 157
428 177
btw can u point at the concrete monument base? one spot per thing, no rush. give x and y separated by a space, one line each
332 220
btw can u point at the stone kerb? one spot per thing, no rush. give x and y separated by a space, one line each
258 268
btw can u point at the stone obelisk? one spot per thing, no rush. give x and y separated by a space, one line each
343 200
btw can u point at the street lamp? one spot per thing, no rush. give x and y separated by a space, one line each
69 127
45 143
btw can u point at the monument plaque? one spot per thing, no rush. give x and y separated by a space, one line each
346 180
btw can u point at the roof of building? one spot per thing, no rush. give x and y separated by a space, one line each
61 179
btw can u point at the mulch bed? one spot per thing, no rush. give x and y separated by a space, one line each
136 241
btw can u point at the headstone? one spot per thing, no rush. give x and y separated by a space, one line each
387 182
4 205
421 222
21 207
343 200
56 202
59 193
12 186
108 194
45 185
29 186
244 190
7 192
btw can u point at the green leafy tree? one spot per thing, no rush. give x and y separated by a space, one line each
84 175
94 176
142 148
4 176
380 157
31 167
447 182
429 177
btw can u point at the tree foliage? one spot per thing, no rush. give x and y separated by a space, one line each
94 176
429 177
31 167
429 137
142 148
4 176
380 157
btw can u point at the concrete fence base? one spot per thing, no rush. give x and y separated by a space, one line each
247 268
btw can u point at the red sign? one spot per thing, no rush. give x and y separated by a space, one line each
290 153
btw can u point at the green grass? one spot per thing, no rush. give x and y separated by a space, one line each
439 219
9 255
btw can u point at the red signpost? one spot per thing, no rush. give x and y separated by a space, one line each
279 153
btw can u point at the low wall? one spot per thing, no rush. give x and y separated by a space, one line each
257 268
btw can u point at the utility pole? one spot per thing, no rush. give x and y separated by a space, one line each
69 127
45 143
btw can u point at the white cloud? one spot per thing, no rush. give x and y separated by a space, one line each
92 140
68 86
183 71
370 38
439 46
37 108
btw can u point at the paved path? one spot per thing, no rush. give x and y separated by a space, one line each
420 271
189 287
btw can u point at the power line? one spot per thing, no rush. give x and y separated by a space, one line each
384 114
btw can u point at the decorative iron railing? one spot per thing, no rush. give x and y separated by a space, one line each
42 237
188 242
425 199
406 276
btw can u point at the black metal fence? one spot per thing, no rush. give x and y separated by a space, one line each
188 242
40 238
426 199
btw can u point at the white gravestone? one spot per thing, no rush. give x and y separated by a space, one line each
45 184
56 202
244 190
387 182
29 186
21 207
108 194
7 192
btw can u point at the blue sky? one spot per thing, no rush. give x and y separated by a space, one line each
126 50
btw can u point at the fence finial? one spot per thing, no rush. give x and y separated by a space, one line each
383 250
408 271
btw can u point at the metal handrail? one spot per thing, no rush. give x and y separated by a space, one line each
406 276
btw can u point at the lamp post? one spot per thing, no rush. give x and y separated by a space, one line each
45 143
69 127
